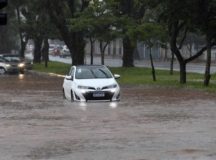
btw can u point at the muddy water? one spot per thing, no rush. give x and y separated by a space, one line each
148 123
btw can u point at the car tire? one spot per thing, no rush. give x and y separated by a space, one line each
2 70
72 96
63 93
22 71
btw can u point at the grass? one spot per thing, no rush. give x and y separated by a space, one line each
140 76
53 67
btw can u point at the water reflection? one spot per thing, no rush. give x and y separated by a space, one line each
83 106
113 105
21 76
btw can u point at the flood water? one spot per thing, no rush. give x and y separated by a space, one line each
149 123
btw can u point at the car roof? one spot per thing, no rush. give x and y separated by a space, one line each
10 55
89 66
4 59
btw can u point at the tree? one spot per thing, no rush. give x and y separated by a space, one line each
60 12
206 22
17 6
35 23
8 33
97 22
178 16
130 14
150 33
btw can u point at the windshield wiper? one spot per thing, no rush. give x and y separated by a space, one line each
106 75
93 74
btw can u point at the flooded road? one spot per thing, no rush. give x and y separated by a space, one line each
147 124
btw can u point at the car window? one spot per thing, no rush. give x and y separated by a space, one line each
92 73
3 59
13 59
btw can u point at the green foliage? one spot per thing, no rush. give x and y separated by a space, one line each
54 67
147 32
95 21
37 21
9 33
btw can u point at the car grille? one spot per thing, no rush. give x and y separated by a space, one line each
107 96
13 65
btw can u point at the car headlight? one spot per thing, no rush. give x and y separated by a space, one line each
21 65
8 65
83 87
111 86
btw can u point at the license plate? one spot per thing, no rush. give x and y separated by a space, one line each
98 94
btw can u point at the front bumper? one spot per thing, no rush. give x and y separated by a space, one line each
91 96
12 70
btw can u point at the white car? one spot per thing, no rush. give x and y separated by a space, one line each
91 82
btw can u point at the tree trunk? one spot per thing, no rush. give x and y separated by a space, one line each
182 72
78 54
171 64
74 40
114 48
102 53
102 49
152 66
208 63
174 30
37 50
45 51
128 59
165 56
92 50
23 48
23 39
102 58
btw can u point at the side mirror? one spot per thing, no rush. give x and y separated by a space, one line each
67 77
117 76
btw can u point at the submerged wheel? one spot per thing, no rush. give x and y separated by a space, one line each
2 70
72 96
22 71
63 94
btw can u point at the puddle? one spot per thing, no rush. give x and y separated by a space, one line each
148 123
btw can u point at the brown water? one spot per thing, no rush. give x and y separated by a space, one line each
147 124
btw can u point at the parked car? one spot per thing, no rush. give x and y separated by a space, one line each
22 63
65 49
65 54
8 67
51 48
91 82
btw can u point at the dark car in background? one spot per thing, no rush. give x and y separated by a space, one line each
22 64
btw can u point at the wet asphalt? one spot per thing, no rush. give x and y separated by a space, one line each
149 123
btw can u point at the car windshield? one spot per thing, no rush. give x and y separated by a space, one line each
92 73
3 59
13 59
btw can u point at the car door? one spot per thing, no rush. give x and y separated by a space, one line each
68 82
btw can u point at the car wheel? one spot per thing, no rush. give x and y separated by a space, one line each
22 71
64 97
2 70
72 96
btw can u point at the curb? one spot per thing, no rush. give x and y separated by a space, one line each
44 73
